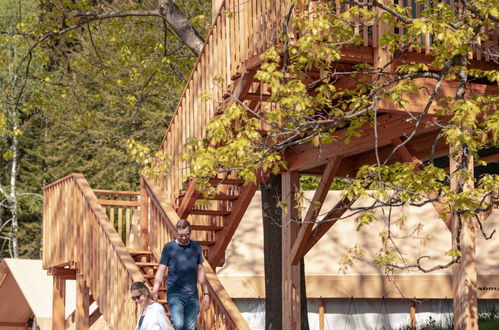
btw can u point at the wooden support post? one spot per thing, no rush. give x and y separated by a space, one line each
412 313
82 304
144 215
291 316
464 278
58 303
321 314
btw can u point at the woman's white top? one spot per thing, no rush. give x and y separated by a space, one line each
154 318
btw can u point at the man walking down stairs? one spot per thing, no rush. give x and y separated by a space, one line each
183 258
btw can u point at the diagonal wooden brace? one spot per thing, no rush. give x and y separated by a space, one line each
299 245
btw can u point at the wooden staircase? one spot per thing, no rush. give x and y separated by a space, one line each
98 242
213 225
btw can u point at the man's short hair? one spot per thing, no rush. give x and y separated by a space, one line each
182 224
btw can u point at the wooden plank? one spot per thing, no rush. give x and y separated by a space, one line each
291 316
412 314
327 222
218 292
416 101
390 126
116 192
237 211
128 239
120 224
107 202
82 304
144 216
300 243
321 314
188 201
62 272
58 303
213 213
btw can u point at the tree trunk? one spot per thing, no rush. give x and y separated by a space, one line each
272 246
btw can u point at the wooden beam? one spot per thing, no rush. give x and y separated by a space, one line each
299 245
257 97
321 314
417 100
188 200
291 318
58 302
327 222
82 304
412 314
463 229
390 126
112 202
65 273
490 159
14 324
224 236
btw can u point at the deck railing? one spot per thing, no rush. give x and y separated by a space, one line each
123 210
78 232
242 30
223 313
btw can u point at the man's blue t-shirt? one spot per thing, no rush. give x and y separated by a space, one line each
182 262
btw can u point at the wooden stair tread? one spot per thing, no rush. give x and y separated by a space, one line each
234 182
207 227
147 264
137 252
219 196
206 243
209 212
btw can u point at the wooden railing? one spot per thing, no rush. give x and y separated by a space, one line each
78 232
123 210
242 30
223 313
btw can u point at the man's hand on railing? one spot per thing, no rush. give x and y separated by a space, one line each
206 302
154 295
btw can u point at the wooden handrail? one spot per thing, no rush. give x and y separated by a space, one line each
77 231
223 313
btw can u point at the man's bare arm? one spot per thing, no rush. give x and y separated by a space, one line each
160 275
204 287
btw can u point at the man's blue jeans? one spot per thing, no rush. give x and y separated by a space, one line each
184 311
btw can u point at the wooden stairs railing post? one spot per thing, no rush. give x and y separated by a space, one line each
82 304
58 303
144 215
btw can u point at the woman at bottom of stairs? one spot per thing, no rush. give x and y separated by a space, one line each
152 315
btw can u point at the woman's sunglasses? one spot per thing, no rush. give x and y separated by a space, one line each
135 298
